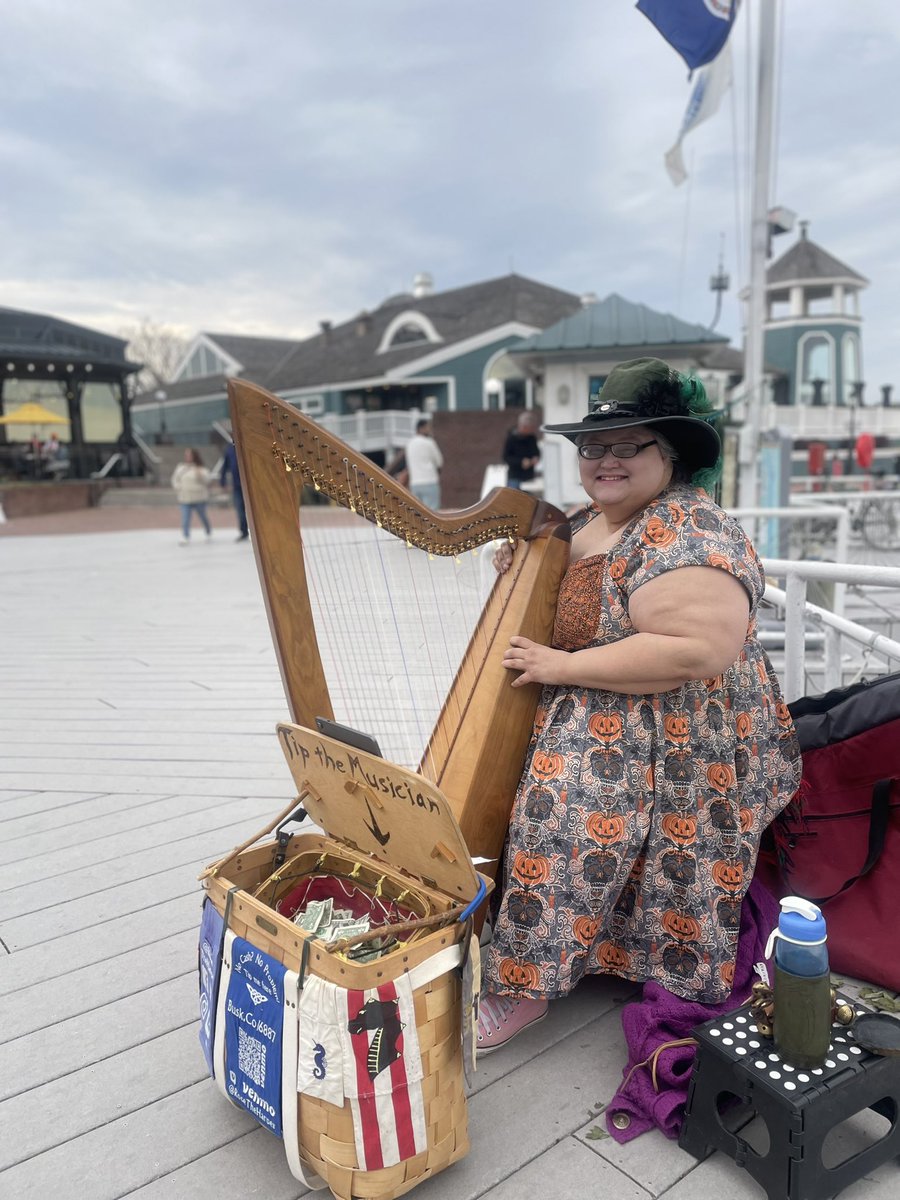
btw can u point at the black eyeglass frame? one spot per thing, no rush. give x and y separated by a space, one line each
616 448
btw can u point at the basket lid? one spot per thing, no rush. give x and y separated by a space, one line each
384 810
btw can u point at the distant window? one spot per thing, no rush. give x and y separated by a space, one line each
816 362
101 412
38 391
203 362
595 383
408 329
407 334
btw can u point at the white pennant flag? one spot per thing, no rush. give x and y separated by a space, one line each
712 82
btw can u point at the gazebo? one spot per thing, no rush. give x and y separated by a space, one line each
71 370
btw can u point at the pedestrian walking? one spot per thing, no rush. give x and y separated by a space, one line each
231 472
424 462
190 479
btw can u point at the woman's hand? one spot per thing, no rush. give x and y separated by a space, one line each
502 559
538 664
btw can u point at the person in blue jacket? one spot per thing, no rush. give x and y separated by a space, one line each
230 468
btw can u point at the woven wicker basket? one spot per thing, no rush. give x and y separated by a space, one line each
241 883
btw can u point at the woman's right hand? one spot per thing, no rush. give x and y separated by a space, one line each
503 557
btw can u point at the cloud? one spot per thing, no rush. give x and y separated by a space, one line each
218 165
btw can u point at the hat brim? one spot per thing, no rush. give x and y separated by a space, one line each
697 442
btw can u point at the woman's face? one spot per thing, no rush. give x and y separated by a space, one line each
624 485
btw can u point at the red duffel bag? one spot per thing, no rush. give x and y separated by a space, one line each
842 848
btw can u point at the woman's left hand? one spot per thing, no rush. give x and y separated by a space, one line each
538 664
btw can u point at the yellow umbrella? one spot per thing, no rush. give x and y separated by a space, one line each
33 413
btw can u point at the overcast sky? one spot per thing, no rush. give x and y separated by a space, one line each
258 167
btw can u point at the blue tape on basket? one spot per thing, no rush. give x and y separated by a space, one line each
479 896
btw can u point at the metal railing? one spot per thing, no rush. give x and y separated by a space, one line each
830 514
856 497
114 458
367 431
798 612
147 453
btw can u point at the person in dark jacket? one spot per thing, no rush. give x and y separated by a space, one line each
230 469
521 452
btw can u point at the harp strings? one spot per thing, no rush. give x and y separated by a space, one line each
365 587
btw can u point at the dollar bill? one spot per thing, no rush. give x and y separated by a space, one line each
316 916
345 929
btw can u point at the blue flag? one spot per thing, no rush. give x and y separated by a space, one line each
212 931
253 1029
697 29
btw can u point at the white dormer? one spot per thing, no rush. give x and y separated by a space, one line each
409 328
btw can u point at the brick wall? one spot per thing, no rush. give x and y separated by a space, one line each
469 442
33 500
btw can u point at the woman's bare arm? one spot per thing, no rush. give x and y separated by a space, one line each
691 623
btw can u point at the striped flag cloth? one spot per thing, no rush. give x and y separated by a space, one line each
383 1073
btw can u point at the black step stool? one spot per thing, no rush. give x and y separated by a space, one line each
799 1107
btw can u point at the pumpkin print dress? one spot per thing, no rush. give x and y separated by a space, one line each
637 821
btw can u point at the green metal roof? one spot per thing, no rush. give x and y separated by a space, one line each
614 323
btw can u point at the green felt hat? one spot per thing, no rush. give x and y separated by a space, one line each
647 391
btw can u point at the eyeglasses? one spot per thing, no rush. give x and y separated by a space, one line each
618 449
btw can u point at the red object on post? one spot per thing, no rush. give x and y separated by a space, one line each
815 458
865 450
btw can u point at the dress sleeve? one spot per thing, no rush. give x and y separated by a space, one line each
688 532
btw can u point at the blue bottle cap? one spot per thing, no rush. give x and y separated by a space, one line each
801 921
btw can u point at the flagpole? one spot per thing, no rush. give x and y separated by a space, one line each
754 352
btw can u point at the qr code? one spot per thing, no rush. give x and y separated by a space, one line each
252 1058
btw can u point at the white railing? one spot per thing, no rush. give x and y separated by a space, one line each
857 497
107 466
365 431
812 421
839 517
825 485
797 612
148 454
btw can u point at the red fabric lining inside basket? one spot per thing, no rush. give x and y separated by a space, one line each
345 894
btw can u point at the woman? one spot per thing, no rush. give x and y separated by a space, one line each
662 747
190 479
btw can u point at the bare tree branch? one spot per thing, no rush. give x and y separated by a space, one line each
159 347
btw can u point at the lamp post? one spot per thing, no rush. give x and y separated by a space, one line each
854 400
162 437
494 389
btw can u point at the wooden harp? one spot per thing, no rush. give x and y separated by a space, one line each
475 750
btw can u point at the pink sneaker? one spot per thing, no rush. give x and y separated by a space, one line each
502 1017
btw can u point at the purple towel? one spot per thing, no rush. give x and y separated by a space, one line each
660 1017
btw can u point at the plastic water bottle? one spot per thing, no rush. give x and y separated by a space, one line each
802 985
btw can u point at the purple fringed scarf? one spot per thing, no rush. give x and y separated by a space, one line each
660 1017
